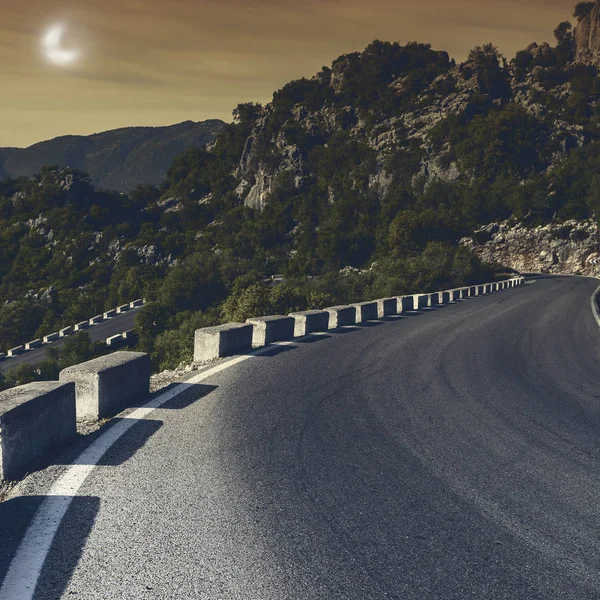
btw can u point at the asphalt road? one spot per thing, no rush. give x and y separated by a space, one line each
99 332
451 454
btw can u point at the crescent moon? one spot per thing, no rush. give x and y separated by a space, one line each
52 48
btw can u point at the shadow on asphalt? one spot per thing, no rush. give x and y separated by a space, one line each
311 339
121 451
16 516
346 329
275 350
192 393
67 546
127 445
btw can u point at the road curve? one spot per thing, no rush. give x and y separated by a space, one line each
451 454
99 332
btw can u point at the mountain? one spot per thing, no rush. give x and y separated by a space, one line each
358 182
119 159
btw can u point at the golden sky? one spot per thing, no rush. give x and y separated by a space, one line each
158 62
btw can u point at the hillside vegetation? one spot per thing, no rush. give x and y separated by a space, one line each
356 183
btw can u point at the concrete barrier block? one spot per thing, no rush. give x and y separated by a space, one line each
110 313
106 385
433 299
405 303
366 311
65 331
81 326
488 288
420 301
123 308
273 328
115 340
51 337
129 336
95 320
16 350
33 344
480 290
308 321
386 307
455 295
444 297
35 419
340 316
136 303
222 340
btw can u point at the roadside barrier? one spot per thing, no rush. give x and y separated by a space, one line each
41 417
106 385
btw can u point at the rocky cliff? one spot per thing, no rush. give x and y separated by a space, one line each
569 248
119 159
411 120
586 35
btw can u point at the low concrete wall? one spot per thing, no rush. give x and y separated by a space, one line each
115 340
33 344
272 328
366 311
110 313
16 350
433 299
51 337
444 297
386 307
420 301
65 331
95 320
405 303
222 340
129 336
81 326
35 419
340 316
123 308
136 303
308 321
104 386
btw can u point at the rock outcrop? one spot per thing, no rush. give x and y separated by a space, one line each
586 36
569 248
282 137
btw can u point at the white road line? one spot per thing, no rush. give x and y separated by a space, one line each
25 568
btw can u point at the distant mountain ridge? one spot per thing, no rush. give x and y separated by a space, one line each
118 159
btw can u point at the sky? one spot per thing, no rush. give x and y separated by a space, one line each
159 62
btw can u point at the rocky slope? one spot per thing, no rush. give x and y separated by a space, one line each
119 159
416 133
586 35
568 248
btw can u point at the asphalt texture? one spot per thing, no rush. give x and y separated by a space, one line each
98 332
449 454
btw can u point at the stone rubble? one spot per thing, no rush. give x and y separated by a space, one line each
568 248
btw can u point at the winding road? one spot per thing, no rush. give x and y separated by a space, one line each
98 332
448 454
